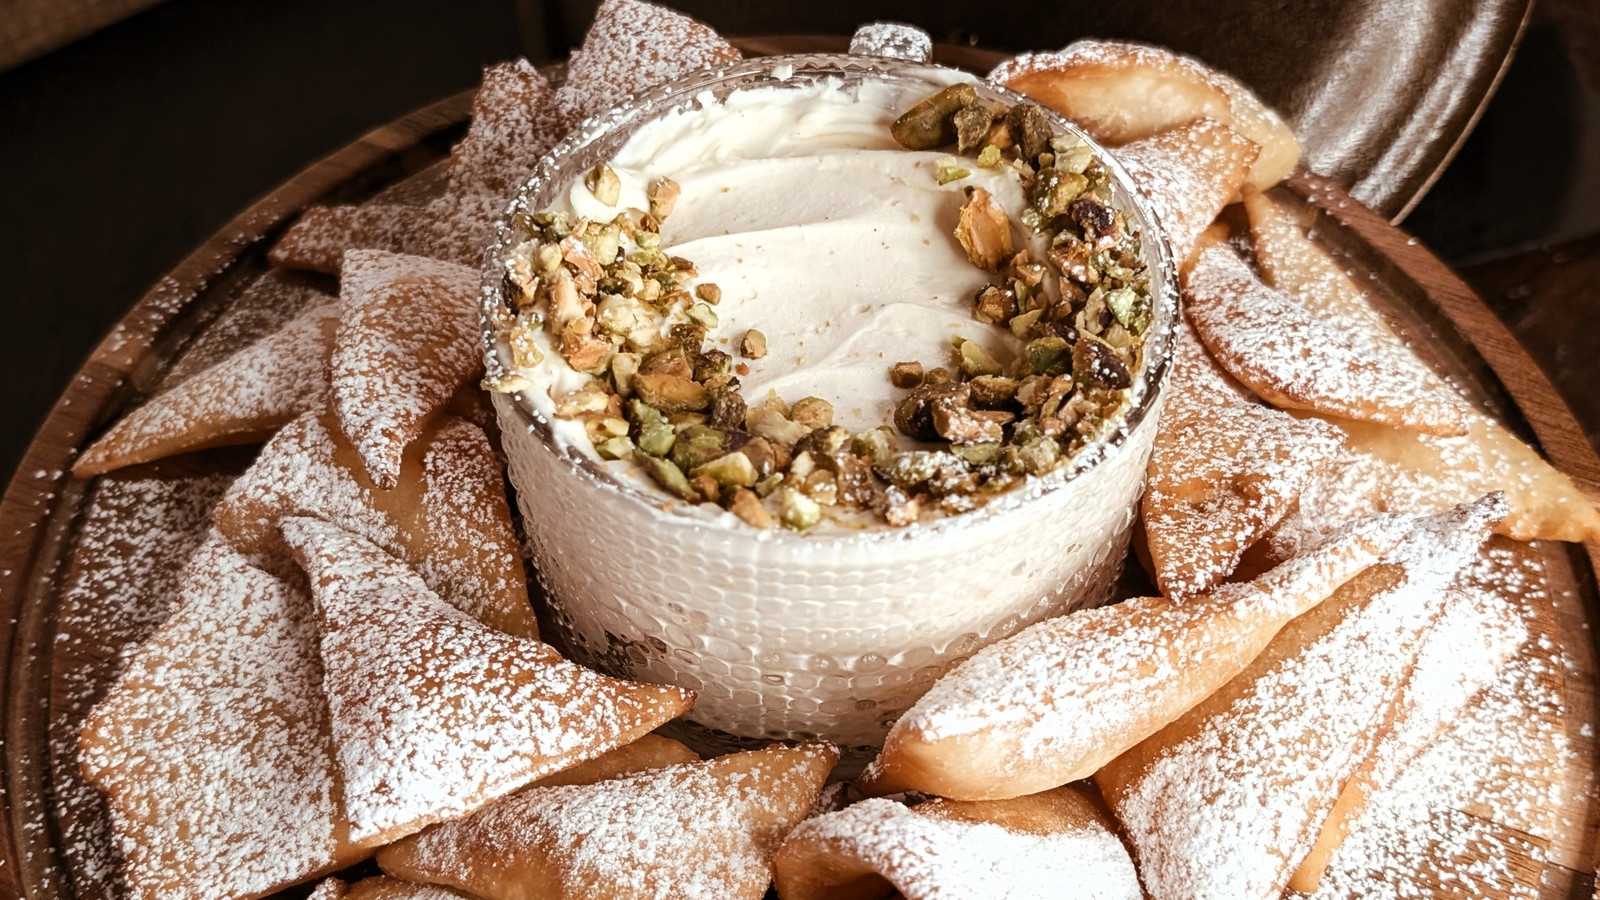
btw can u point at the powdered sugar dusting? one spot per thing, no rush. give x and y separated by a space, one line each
133 539
928 857
1189 173
433 714
515 120
263 307
383 888
447 515
1225 811
1224 469
893 41
454 228
633 46
406 342
212 747
1458 817
696 830
1297 360
237 401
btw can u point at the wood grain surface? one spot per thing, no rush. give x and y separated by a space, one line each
1553 849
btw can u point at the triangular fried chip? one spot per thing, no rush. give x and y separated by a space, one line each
435 715
1230 798
1056 701
407 341
447 515
514 122
241 400
1392 469
1189 173
702 829
263 307
382 887
329 889
1223 471
632 46
212 748
1120 91
451 228
649 752
1295 360
1058 843
1476 634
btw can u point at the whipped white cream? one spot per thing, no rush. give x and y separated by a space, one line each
821 232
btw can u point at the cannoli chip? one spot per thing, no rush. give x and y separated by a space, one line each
515 120
406 343
1189 173
453 228
382 887
447 515
212 747
433 714
1223 471
1121 91
241 400
1058 843
1058 700
1295 360
632 46
1229 799
264 306
702 829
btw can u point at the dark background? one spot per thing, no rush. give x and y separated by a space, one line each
123 151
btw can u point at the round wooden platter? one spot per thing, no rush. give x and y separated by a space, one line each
43 513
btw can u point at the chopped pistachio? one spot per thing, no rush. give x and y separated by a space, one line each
796 510
615 448
947 170
548 256
906 375
960 425
702 314
775 427
984 231
989 157
1072 154
766 486
671 393
972 126
993 391
623 367
1054 191
978 453
822 487
708 292
732 470
698 445
588 400
506 384
1030 129
747 506
929 124
812 412
1131 309
877 444
976 360
663 194
994 304
1048 356
1095 362
753 345
668 476
604 184
1022 324
652 433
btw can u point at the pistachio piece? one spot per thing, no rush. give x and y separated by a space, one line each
960 425
1131 309
976 360
712 364
708 292
1095 363
929 124
775 427
994 304
753 345
875 445
1054 191
700 444
1095 218
972 126
615 448
905 375
669 476
732 470
1039 456
824 442
747 506
989 157
663 193
651 431
993 391
796 510
671 361
812 412
604 184
897 507
506 384
671 393
914 415
979 453
947 170
1048 356
702 314
623 367
984 231
1030 130
1023 323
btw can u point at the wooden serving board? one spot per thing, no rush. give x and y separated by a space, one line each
67 622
